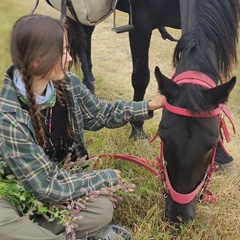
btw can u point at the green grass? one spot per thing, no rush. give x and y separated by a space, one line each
143 210
7 21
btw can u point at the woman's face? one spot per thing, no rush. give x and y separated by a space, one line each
58 72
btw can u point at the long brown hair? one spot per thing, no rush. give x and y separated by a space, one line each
37 36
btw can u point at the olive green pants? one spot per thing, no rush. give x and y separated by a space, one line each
96 217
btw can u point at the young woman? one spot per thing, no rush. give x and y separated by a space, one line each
44 111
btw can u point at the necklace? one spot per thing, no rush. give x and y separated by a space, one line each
50 126
48 122
46 116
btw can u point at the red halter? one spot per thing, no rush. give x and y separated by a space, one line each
192 77
181 198
196 78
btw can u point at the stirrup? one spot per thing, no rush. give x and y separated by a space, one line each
124 28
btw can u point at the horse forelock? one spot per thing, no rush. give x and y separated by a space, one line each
216 28
194 99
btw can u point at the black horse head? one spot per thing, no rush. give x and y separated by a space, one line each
207 50
188 141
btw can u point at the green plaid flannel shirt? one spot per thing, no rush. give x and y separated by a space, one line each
26 159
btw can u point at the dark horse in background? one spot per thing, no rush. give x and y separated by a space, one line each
146 16
190 122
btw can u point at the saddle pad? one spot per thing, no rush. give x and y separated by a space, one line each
89 12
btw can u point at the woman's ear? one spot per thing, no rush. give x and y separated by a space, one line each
36 63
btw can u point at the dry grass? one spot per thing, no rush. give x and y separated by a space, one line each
143 211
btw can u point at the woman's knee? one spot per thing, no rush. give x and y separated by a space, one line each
13 226
100 211
95 217
105 213
8 212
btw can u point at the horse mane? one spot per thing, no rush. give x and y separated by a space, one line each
216 28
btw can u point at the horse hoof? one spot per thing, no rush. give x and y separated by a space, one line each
90 85
228 168
136 135
137 131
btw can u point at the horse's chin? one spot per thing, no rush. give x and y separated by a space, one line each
178 220
180 213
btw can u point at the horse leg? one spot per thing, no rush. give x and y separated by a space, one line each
224 160
139 39
79 51
89 31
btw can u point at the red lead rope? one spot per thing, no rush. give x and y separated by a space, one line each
158 169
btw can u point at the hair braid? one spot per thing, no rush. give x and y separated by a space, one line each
60 94
33 108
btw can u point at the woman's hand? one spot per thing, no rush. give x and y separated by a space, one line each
118 174
156 103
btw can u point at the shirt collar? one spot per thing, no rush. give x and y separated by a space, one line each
43 101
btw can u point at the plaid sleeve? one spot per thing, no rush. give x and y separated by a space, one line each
38 175
98 113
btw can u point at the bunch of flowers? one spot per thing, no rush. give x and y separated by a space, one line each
67 212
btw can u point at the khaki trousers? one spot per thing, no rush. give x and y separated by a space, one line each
96 217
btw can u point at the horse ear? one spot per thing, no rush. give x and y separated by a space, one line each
166 86
220 93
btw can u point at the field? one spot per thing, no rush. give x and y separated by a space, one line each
143 210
